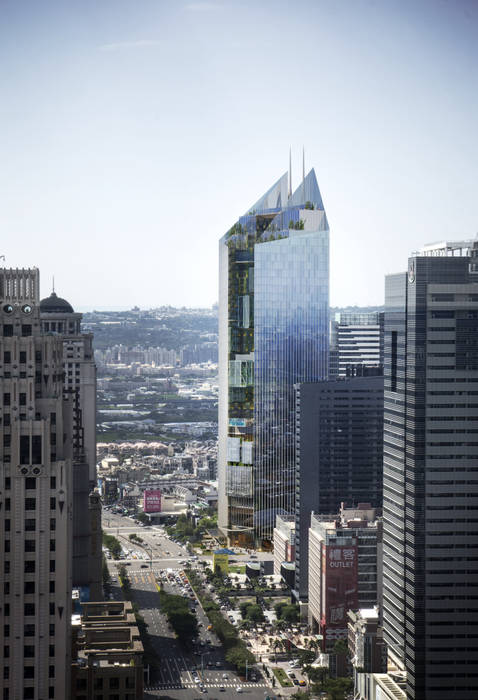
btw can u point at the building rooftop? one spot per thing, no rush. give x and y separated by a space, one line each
55 305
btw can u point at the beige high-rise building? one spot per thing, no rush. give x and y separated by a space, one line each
36 444
59 319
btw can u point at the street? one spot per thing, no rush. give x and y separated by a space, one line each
165 559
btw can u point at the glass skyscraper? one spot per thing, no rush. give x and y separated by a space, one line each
273 333
430 484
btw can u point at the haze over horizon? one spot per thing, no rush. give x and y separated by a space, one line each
135 135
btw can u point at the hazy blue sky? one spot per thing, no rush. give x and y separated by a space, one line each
134 133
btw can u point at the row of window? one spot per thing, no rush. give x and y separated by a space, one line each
29 587
30 503
29 566
30 524
28 609
29 630
30 546
28 651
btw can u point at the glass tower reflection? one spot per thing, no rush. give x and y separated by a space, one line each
273 309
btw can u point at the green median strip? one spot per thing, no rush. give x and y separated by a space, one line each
282 677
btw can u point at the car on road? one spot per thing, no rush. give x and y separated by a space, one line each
222 688
224 675
238 689
302 683
291 674
295 681
144 566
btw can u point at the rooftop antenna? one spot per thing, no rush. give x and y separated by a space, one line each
290 172
53 285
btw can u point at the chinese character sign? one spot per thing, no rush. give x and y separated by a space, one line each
152 501
341 583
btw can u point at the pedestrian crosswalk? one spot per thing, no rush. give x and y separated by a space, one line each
187 684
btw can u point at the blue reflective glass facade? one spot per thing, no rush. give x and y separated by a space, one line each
273 333
291 302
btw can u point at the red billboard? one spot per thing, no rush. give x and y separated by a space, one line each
152 501
339 587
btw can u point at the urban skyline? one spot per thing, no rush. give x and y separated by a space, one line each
256 471
114 135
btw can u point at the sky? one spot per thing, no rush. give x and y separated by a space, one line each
133 133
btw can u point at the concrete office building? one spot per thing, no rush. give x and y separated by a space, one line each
365 641
342 571
430 538
339 454
59 319
356 344
36 497
273 333
284 542
107 653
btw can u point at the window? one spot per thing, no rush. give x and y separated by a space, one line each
6 609
52 545
52 629
53 482
7 546
30 524
7 330
52 566
29 587
6 630
30 482
29 608
7 524
30 503
52 608
29 651
6 399
24 449
51 672
23 357
7 504
81 684
26 330
114 683
29 566
98 684
29 671
6 566
6 673
51 650
23 399
36 449
30 545
28 693
6 588
29 631
6 420
7 357
8 483
52 586
6 652
51 692
52 503
52 523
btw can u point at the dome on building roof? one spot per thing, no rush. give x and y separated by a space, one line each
55 305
